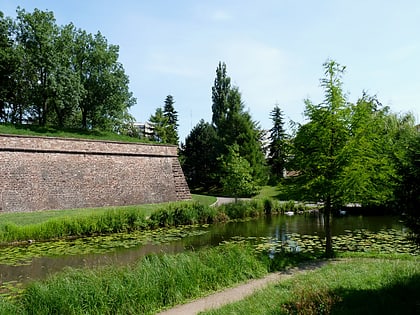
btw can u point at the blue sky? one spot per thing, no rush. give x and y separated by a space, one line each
273 49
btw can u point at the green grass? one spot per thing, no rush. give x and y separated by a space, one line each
34 130
351 286
268 192
46 225
205 200
27 218
155 282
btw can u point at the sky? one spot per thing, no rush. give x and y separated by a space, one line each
273 49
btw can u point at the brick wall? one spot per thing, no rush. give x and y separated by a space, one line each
38 173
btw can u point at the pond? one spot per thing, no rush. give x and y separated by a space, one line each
20 264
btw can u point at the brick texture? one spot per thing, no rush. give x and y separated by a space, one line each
38 173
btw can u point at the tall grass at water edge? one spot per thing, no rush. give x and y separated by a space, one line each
126 219
155 282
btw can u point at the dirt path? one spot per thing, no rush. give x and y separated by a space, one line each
239 292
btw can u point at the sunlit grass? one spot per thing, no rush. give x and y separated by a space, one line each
155 282
268 192
352 286
33 130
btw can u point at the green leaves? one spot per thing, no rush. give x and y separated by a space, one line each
60 76
237 180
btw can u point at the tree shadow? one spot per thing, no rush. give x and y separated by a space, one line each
291 188
402 297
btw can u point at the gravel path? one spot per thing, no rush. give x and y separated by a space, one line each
239 292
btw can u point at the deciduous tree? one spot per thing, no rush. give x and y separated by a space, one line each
318 146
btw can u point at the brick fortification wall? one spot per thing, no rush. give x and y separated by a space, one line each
38 173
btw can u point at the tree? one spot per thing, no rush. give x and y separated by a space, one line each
277 150
57 75
220 93
160 123
36 34
8 66
234 125
408 165
370 175
237 180
318 146
172 120
107 98
199 156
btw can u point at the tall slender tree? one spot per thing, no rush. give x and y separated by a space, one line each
220 93
172 120
277 150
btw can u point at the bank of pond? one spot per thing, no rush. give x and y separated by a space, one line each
130 263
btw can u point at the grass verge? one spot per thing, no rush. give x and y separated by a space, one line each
155 282
46 225
49 131
351 286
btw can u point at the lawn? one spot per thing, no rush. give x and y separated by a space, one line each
350 286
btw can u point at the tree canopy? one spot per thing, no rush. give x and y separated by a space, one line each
232 127
60 75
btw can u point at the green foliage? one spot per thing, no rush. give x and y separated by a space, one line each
160 123
172 116
34 130
237 180
318 146
278 147
352 286
183 213
73 223
220 92
165 123
60 76
243 209
199 156
157 281
408 190
231 126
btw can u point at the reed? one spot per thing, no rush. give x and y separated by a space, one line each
126 219
155 282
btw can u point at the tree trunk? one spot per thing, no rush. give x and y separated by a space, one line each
329 253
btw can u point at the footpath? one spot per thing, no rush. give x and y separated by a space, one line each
239 292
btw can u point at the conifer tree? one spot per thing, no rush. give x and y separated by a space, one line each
277 151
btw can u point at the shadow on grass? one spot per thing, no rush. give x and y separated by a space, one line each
402 297
291 188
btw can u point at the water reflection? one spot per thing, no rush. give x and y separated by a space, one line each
276 228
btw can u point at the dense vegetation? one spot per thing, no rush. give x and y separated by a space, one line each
85 222
225 155
60 75
156 281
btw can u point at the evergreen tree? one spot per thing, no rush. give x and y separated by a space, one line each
172 120
160 123
234 126
199 157
277 150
